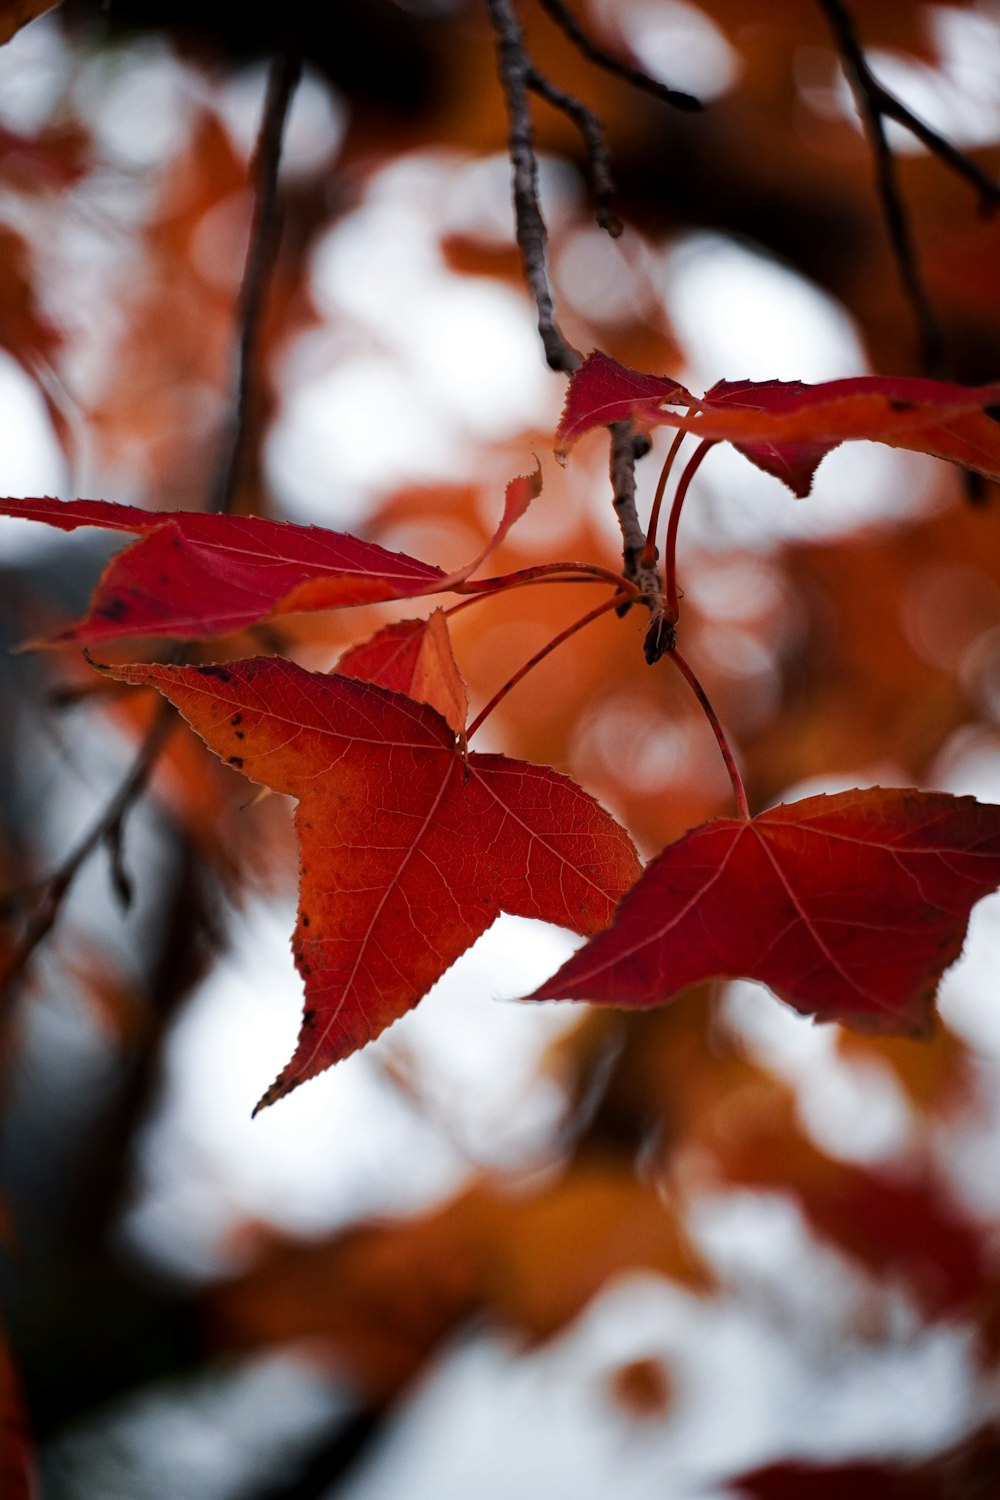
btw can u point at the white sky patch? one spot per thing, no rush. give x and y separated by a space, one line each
34 68
959 98
140 103
742 316
474 195
853 1110
743 1385
421 362
344 438
31 460
348 1143
316 125
676 43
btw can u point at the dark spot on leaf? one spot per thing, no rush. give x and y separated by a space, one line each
235 760
240 735
309 1017
305 920
219 672
116 610
236 719
895 404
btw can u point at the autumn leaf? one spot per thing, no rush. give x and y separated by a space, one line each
194 574
518 496
787 427
602 391
413 657
409 850
379 1298
850 907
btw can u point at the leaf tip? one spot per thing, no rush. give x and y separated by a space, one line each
103 667
271 1095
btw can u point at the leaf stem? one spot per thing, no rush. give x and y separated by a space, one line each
670 546
564 635
710 714
557 572
649 551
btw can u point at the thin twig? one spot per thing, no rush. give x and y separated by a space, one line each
592 130
514 69
283 78
875 105
593 52
108 829
892 108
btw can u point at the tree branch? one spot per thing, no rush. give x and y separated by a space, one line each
593 52
592 130
892 108
283 78
627 447
876 105
517 75
107 830
514 70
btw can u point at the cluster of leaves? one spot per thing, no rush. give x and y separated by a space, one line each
823 658
850 907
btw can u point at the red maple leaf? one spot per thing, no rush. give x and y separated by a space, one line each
192 575
787 427
409 850
413 657
849 907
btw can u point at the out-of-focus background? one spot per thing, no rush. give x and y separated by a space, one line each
507 1249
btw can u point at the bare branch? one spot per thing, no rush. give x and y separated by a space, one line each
892 108
283 78
627 446
514 69
593 52
876 105
108 830
592 130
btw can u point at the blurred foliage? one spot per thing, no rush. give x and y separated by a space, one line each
858 654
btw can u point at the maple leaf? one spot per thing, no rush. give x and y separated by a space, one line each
409 850
850 907
787 427
194 574
413 657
